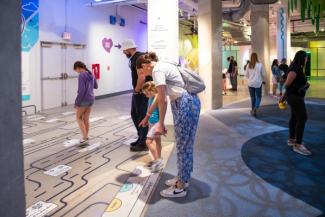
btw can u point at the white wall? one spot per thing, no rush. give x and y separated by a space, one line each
89 25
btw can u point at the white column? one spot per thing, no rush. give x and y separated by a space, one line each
260 37
210 52
163 29
163 35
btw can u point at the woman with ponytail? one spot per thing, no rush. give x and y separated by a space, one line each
186 111
85 98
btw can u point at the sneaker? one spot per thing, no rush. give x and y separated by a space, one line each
149 164
157 166
253 112
84 143
172 182
172 192
301 149
138 148
291 142
134 143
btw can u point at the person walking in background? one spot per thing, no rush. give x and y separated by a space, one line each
232 71
139 100
153 140
85 98
276 76
296 87
255 74
284 68
234 74
186 111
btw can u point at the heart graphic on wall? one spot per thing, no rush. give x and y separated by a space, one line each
107 44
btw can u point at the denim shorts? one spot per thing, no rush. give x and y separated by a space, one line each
86 104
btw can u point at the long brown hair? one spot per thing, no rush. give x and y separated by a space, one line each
79 64
146 59
253 61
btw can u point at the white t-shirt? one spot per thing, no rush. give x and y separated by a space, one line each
255 76
163 72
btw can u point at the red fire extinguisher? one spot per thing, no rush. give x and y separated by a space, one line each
96 70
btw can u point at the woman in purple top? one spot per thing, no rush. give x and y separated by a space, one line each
85 98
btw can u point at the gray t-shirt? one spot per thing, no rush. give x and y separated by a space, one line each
164 72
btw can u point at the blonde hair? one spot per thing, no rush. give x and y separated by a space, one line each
253 61
149 86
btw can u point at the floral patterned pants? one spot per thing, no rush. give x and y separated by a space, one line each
186 112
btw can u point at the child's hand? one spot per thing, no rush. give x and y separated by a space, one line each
144 122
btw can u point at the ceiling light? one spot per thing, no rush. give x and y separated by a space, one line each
322 29
97 0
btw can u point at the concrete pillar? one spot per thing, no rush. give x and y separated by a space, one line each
260 38
283 31
210 52
12 196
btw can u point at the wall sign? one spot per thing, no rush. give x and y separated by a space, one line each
107 44
29 37
30 24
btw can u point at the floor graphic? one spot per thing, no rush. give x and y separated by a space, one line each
132 197
64 179
58 170
40 209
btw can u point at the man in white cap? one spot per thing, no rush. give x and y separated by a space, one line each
139 100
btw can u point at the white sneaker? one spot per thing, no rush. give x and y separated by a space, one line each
149 164
157 166
173 192
84 141
291 142
172 182
301 149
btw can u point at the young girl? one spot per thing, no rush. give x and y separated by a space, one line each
85 98
153 141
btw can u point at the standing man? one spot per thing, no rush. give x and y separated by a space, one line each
139 100
284 67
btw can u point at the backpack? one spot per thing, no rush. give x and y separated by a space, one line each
193 82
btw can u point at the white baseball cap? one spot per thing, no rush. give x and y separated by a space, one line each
127 44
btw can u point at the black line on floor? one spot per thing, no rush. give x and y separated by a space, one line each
45 162
86 158
59 155
87 169
40 194
74 176
55 186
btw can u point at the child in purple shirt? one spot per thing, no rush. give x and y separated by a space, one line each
85 98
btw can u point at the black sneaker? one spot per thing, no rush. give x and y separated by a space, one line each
134 143
137 148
